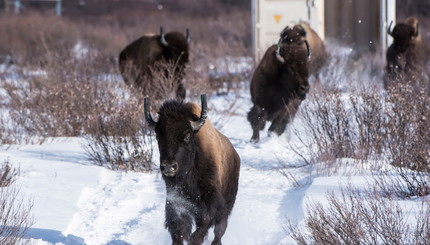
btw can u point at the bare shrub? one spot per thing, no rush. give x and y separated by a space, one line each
327 119
404 183
406 142
61 100
222 117
7 136
7 174
357 217
230 74
121 140
31 35
15 215
162 84
368 125
408 135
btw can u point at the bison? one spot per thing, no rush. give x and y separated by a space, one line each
280 82
151 53
407 56
200 168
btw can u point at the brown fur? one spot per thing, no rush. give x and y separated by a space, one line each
204 186
139 59
407 56
302 31
319 55
276 88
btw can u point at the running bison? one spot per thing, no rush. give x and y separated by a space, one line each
407 55
280 82
154 54
200 168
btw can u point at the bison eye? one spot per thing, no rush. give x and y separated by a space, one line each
187 137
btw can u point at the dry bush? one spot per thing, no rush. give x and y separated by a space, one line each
350 69
408 136
403 183
159 84
342 128
15 212
7 135
7 174
121 140
342 116
30 36
82 99
367 124
15 216
222 116
61 101
362 217
406 142
230 74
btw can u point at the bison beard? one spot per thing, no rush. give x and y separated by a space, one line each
279 84
200 168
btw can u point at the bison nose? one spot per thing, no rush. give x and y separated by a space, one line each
169 168
303 90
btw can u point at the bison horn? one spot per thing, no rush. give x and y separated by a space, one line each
163 38
148 117
389 29
417 30
196 125
187 34
309 49
278 52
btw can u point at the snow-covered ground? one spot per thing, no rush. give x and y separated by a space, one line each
78 203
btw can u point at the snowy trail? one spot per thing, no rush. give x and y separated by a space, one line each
120 209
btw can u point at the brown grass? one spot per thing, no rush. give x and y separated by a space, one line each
361 217
15 211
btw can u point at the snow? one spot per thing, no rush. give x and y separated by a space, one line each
76 202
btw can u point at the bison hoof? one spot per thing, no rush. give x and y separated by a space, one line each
254 140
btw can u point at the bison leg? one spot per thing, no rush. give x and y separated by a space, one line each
179 226
257 117
219 231
203 224
284 116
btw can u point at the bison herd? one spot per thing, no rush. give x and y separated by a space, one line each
199 165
